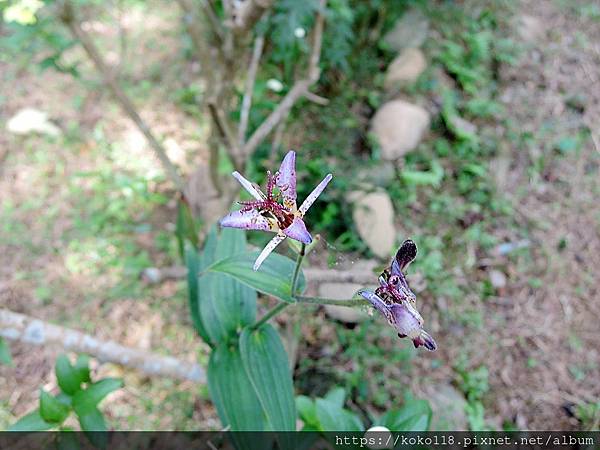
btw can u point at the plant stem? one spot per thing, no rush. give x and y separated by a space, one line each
330 301
281 306
297 268
272 312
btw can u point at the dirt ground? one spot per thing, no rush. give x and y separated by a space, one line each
540 338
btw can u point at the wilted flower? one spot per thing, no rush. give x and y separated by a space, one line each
266 213
397 302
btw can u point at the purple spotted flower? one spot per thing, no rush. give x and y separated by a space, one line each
276 211
397 303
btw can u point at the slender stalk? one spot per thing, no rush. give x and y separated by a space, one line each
297 268
272 312
281 306
330 301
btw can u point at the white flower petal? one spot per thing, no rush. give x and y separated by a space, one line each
258 195
268 249
314 194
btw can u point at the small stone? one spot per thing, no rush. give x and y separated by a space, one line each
399 127
448 407
380 175
374 218
31 120
530 29
462 128
405 68
342 291
409 31
498 279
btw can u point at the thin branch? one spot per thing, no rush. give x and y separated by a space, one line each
250 80
365 278
69 19
248 13
215 23
312 97
226 134
299 89
19 327
313 67
330 301
155 275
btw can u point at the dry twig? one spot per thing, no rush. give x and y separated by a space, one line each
19 327
69 19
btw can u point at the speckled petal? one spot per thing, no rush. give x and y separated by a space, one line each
407 320
267 250
249 220
252 190
315 194
297 230
287 180
377 303
424 339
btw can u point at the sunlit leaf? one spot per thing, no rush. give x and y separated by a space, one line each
31 422
267 366
51 409
95 393
5 357
415 415
232 392
273 277
69 379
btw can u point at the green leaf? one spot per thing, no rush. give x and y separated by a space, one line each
95 393
192 262
267 365
51 409
92 422
31 422
68 377
273 277
415 415
90 418
307 410
186 228
336 396
82 366
225 305
231 391
5 357
334 418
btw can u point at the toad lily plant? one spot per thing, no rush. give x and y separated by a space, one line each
275 212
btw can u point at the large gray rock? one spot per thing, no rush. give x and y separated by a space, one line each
405 68
409 31
399 126
342 291
30 121
374 218
448 407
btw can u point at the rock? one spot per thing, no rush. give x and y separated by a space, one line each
498 279
380 175
409 31
374 218
30 120
405 68
399 127
342 291
461 128
530 29
448 407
